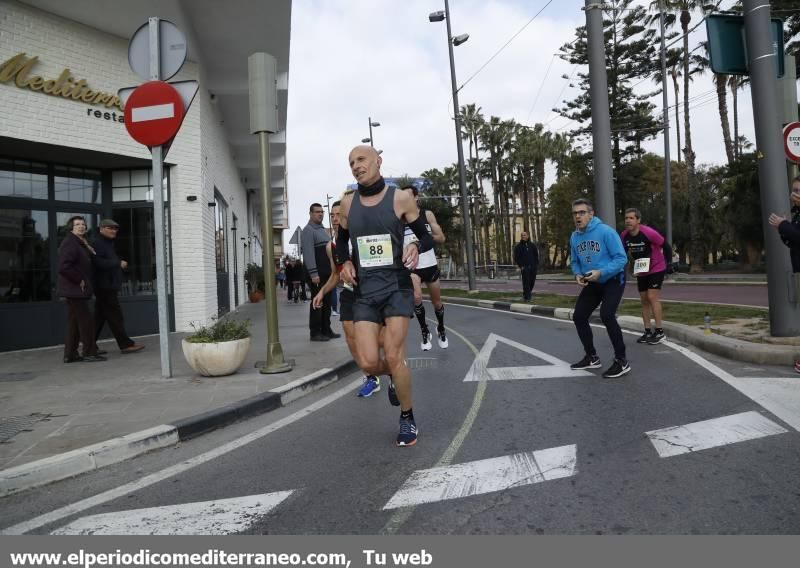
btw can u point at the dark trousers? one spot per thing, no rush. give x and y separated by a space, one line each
80 327
107 309
608 297
319 321
528 281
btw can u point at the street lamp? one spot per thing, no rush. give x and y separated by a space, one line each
371 124
462 176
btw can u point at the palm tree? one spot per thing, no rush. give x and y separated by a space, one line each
472 121
702 64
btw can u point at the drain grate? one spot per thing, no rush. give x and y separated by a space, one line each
20 376
422 363
10 426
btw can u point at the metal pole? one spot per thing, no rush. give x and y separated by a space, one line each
370 131
462 177
275 362
665 102
158 217
784 314
601 122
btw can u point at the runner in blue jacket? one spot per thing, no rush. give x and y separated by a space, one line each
598 262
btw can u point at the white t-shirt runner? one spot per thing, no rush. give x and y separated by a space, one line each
427 258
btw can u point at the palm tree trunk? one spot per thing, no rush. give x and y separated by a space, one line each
676 86
735 97
696 246
722 103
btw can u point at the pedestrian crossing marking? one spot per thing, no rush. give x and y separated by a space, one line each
220 517
485 476
712 433
480 372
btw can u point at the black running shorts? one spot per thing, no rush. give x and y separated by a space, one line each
398 303
346 299
650 281
429 274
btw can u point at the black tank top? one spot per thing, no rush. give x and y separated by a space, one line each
376 234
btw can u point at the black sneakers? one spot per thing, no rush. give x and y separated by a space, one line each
645 338
656 338
618 368
588 362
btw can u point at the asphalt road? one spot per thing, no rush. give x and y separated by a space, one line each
716 293
559 454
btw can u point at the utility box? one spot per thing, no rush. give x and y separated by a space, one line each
727 48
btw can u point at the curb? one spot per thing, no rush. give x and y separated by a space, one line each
736 349
89 458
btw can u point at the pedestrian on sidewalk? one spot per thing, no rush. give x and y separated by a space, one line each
373 220
644 245
526 256
108 275
598 262
315 239
790 235
74 284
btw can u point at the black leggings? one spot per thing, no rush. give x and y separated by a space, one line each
608 296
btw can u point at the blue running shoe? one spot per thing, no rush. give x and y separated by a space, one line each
371 385
408 432
393 400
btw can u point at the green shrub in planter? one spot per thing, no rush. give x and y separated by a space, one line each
224 329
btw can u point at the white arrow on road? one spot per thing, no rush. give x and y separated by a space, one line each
485 476
480 372
221 517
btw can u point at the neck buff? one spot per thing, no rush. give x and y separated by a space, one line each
374 189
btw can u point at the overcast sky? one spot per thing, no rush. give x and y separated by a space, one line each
355 59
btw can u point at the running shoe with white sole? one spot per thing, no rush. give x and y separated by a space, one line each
426 340
645 337
618 368
371 386
656 338
588 362
443 343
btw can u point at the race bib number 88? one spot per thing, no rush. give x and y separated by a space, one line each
375 250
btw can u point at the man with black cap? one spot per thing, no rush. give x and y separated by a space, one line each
108 269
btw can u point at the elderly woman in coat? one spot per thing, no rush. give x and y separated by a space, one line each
75 286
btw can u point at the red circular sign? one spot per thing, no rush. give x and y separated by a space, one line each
153 113
791 141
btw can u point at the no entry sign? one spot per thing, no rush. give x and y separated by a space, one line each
791 141
154 113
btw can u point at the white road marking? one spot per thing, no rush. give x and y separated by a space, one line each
176 469
154 112
221 517
485 476
777 395
480 372
712 433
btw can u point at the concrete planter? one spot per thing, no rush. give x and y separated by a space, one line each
216 359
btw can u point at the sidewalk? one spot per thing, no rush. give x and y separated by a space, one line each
48 408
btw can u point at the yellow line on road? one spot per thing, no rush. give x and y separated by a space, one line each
402 515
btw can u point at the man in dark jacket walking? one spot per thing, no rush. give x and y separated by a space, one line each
108 280
790 235
314 240
526 256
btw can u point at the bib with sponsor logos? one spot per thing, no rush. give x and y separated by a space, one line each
641 266
375 250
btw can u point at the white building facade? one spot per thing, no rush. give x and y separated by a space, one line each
64 151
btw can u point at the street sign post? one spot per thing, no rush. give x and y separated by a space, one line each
791 141
154 113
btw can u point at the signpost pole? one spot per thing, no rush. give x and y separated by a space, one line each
158 218
784 313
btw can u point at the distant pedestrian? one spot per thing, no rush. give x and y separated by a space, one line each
75 286
281 276
526 256
314 242
790 235
108 269
645 247
598 263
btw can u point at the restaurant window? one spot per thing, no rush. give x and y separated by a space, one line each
24 256
135 185
22 178
81 185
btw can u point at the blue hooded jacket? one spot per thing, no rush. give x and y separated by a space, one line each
598 247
